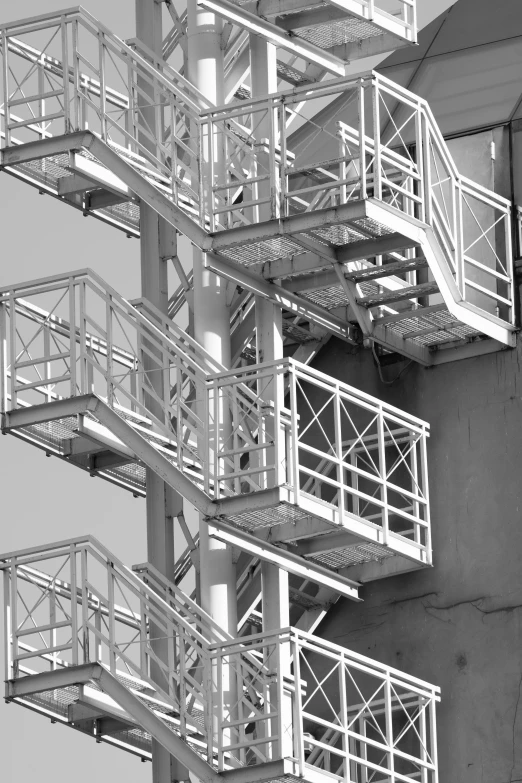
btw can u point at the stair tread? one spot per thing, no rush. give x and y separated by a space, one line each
387 270
408 292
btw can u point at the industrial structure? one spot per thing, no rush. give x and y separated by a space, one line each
351 259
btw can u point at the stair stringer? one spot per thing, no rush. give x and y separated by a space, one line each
424 235
94 673
215 512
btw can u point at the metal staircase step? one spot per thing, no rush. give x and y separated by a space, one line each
408 292
388 269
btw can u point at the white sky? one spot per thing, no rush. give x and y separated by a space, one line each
45 500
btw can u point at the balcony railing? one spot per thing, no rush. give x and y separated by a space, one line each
291 695
335 452
242 163
339 453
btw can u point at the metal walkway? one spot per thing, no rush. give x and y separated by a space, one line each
382 238
83 632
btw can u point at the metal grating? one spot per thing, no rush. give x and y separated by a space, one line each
297 333
338 235
268 250
267 517
339 32
352 555
56 700
52 434
449 330
136 738
291 75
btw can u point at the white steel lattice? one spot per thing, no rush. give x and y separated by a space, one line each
339 454
74 603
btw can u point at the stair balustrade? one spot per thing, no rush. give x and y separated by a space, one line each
334 452
74 603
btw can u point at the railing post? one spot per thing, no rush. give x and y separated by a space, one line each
377 179
388 715
272 161
338 440
72 335
3 357
85 606
65 74
459 240
344 719
433 741
426 152
283 202
14 617
426 494
383 475
7 624
74 606
5 83
13 351
294 436
362 144
419 154
77 115
299 751
101 62
110 607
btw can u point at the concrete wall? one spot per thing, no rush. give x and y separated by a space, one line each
457 625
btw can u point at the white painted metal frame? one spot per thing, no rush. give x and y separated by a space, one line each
370 470
73 603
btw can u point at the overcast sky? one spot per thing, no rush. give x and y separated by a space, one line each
45 500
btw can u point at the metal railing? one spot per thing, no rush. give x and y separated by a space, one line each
390 149
337 451
66 72
242 701
341 454
242 163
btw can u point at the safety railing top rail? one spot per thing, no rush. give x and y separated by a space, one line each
283 682
332 446
289 365
160 326
176 83
147 602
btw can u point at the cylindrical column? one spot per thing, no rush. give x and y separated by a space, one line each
211 313
162 503
212 331
269 347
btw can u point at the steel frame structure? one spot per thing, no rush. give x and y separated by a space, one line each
73 604
391 160
330 208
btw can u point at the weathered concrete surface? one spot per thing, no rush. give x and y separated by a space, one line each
457 625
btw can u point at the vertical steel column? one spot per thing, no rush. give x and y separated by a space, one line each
157 241
211 311
212 331
269 347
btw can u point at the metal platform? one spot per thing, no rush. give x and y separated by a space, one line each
90 663
81 367
381 191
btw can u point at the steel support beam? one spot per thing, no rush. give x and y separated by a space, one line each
275 35
284 559
284 299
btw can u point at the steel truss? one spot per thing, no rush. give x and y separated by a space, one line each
276 465
338 203
388 193
79 647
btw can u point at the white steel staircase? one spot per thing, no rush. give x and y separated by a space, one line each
338 200
86 645
371 234
325 478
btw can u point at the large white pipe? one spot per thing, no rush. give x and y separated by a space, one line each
211 314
